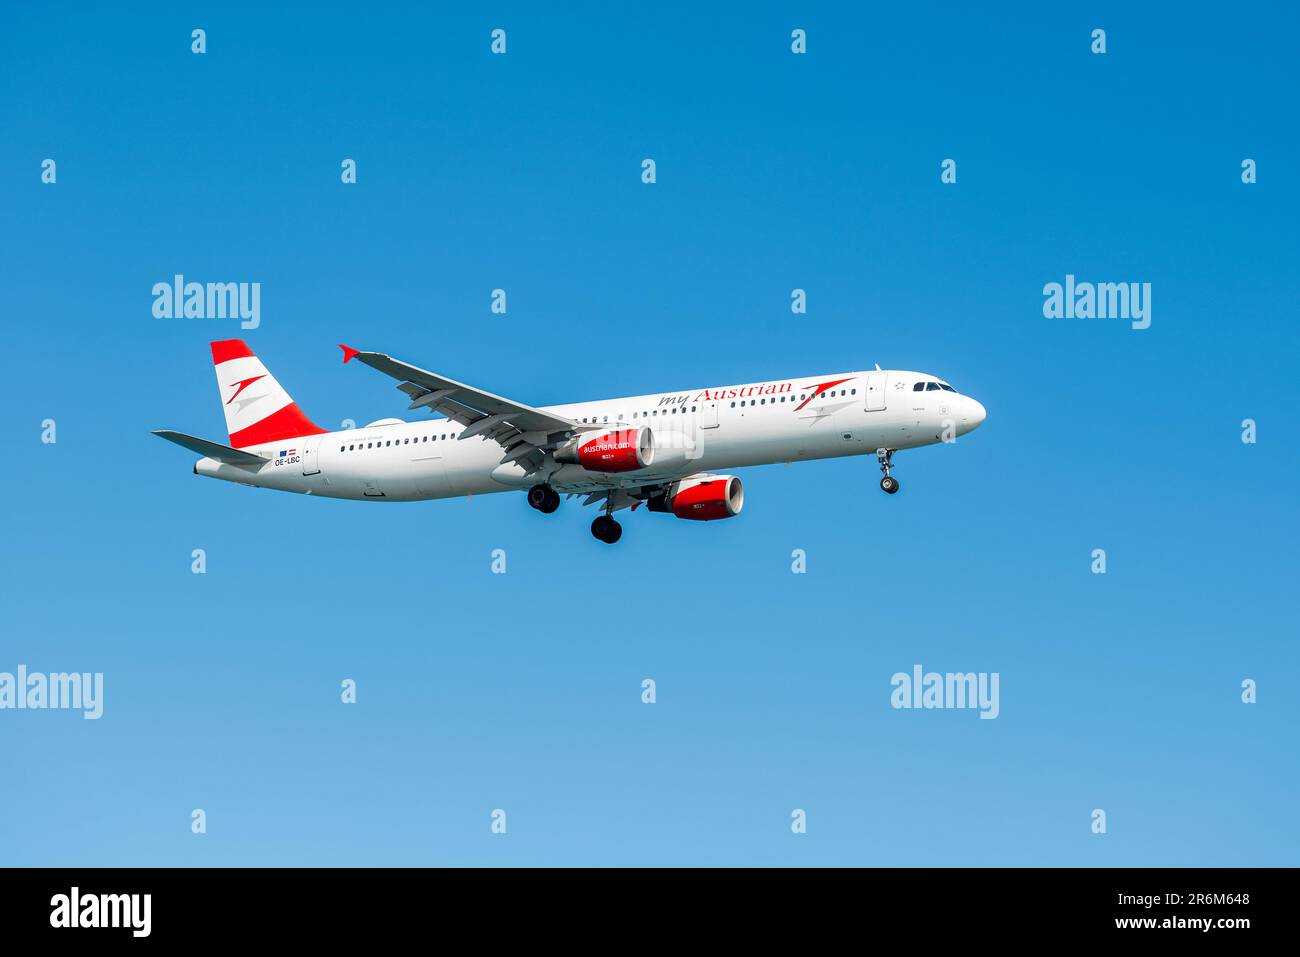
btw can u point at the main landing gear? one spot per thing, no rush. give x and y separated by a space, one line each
606 529
544 498
886 459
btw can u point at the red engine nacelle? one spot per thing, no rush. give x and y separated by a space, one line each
622 450
702 499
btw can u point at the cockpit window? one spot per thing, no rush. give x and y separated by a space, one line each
946 387
932 387
919 387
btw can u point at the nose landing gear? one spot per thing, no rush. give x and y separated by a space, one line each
886 459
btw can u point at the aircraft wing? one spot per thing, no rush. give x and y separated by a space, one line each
524 433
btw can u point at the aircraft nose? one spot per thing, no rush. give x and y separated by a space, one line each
972 416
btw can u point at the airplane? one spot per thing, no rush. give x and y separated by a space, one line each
664 451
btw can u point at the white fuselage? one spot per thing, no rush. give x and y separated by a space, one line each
699 430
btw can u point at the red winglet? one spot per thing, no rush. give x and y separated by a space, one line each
348 352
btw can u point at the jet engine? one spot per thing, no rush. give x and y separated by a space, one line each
619 450
701 498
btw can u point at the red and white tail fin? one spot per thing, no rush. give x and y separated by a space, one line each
257 408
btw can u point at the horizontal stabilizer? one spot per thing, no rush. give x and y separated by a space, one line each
222 453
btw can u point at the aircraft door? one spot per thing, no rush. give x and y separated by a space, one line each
875 400
311 455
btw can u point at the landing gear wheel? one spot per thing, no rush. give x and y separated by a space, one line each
606 529
886 459
544 498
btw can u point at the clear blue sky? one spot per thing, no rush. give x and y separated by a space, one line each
522 691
